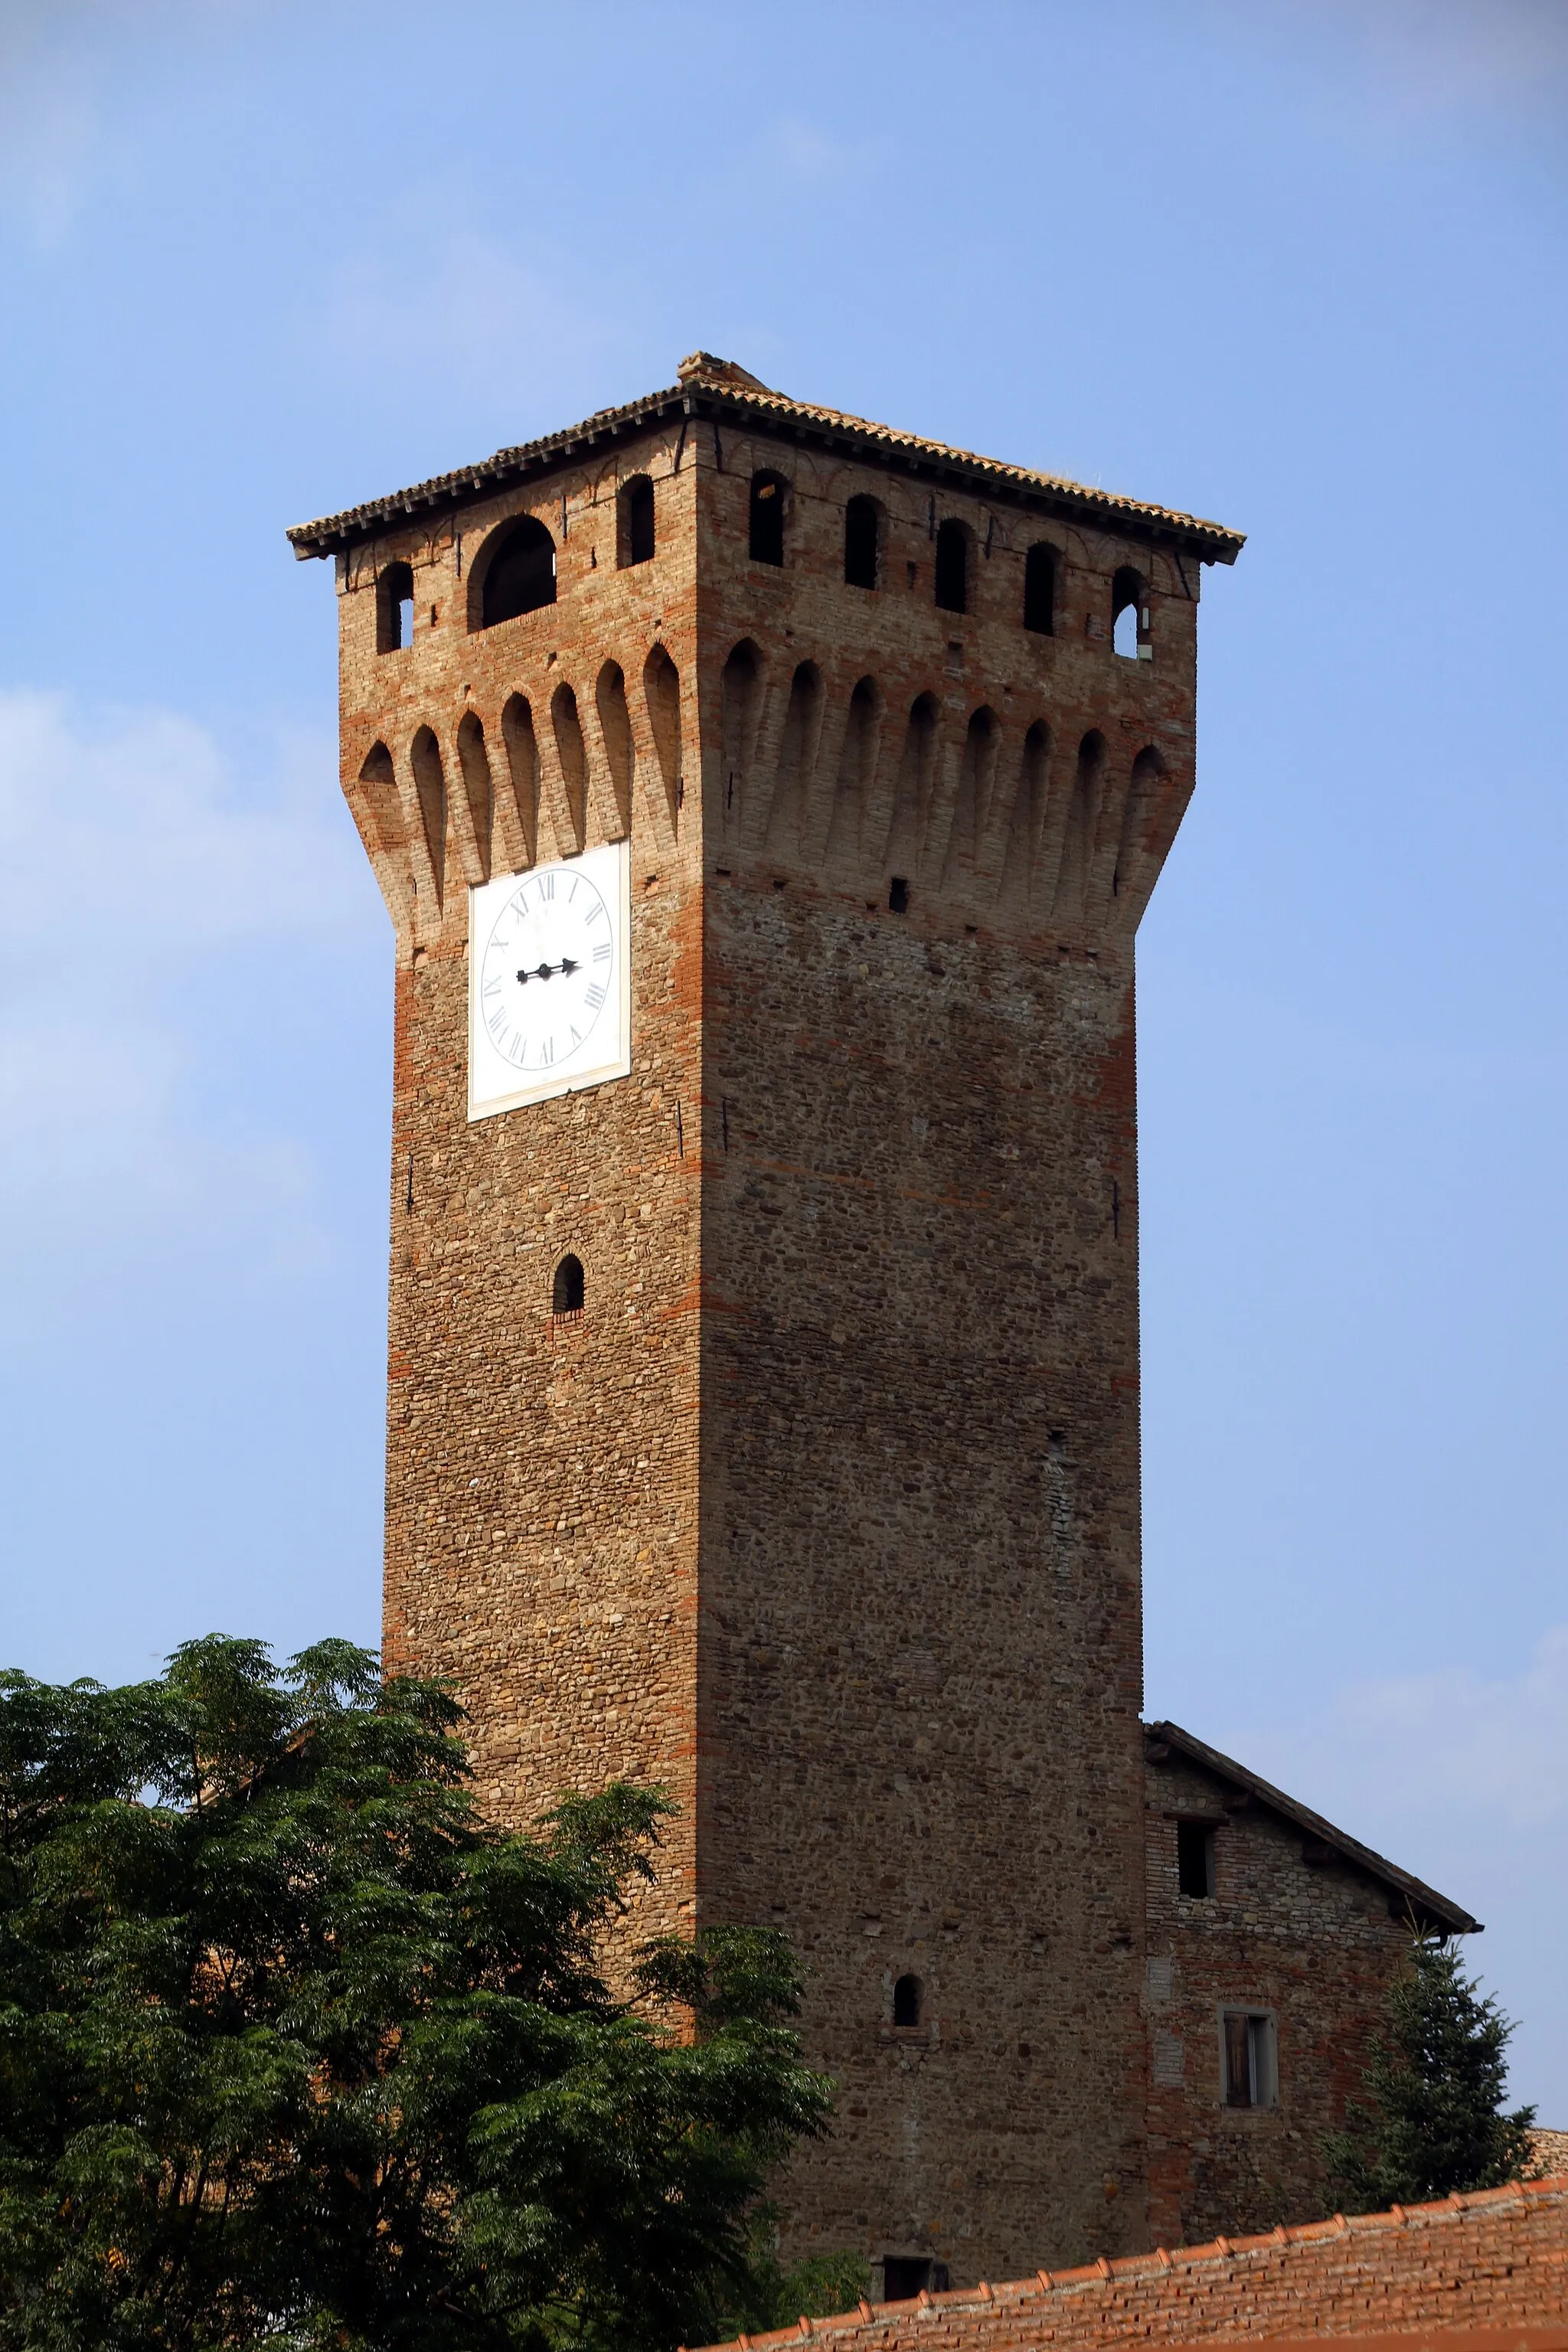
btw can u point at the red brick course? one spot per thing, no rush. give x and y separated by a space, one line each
1492 2267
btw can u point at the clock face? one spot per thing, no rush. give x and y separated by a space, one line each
549 981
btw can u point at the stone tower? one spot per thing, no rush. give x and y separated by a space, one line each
762 1399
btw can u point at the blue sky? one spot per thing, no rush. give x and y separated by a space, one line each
1297 266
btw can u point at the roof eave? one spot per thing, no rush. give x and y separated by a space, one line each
330 534
1422 1898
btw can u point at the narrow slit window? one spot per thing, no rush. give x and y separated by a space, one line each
394 609
636 532
570 1288
860 534
897 895
1194 1858
767 518
1040 589
907 2002
953 567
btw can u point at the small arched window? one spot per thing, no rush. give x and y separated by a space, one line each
569 1288
907 2002
520 575
394 609
953 567
768 517
635 521
1040 588
860 537
1129 614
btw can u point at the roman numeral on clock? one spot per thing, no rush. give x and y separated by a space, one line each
593 997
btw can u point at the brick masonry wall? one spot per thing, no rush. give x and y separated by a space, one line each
1495 2264
1313 1945
825 1515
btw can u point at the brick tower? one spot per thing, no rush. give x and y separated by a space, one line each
763 1410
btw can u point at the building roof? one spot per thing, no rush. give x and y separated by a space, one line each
1428 1906
718 389
1365 2279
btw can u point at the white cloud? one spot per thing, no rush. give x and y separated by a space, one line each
810 151
1472 1748
1416 1764
1416 61
138 818
50 115
495 321
137 869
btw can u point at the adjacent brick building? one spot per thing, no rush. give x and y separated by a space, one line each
764 1421
1272 1939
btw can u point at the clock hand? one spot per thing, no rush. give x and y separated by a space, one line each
548 971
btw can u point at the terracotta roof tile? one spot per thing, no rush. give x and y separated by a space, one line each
1037 2294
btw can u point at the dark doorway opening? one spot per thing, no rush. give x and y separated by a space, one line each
767 518
522 574
906 2275
861 544
953 567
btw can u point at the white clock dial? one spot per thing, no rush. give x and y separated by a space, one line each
548 981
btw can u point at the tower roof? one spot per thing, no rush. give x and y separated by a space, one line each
716 388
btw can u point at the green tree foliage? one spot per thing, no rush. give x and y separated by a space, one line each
775 2294
1434 2121
296 2051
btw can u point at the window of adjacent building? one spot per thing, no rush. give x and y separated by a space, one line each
520 575
1040 589
860 542
767 518
904 2276
907 2002
1250 2073
635 521
1194 1858
953 567
570 1288
394 609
